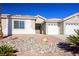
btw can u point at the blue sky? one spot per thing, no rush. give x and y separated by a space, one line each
48 10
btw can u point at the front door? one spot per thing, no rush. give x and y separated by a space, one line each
38 28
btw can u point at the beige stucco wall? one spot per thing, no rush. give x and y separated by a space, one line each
39 20
29 27
8 27
74 19
4 26
61 27
70 25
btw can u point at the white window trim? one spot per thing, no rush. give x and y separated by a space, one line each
19 28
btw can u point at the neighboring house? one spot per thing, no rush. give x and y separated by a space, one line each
23 24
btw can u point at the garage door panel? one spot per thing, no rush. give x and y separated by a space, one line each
69 29
53 30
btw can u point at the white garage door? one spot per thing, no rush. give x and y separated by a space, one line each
69 29
52 29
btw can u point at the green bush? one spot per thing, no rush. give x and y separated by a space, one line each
7 50
74 39
72 45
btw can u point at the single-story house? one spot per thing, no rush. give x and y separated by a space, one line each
25 24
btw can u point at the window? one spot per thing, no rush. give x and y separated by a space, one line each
54 24
19 24
77 24
49 24
68 24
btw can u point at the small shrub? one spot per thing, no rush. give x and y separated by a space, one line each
74 39
7 50
72 45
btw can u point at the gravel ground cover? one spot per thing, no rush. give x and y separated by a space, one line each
34 45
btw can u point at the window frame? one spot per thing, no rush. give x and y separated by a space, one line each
19 26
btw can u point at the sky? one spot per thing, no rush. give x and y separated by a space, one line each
47 10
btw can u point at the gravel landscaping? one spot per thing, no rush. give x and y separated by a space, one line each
35 45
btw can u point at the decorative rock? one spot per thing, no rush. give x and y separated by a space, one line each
42 52
13 38
45 39
31 44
